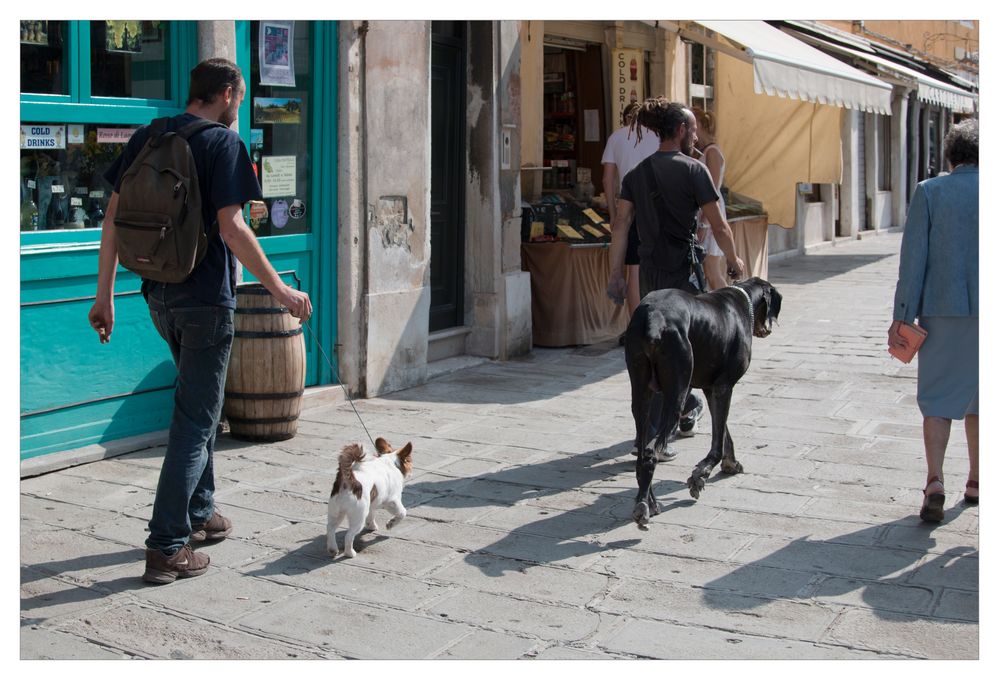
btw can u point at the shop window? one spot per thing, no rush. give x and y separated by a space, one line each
69 140
701 76
130 59
62 168
280 130
43 57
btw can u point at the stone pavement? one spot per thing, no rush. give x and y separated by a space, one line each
518 542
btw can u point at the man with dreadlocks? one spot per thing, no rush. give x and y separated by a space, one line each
663 193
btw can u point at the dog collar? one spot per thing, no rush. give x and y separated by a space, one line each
749 304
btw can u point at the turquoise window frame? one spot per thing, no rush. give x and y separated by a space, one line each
80 106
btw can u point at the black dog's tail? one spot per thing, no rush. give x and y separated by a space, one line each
352 453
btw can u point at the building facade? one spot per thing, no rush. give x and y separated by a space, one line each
396 158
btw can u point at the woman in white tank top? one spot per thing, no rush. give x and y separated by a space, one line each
711 156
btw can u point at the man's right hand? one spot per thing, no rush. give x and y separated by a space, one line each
736 268
101 318
297 302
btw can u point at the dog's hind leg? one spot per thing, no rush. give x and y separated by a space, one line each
334 517
356 515
729 465
673 366
718 399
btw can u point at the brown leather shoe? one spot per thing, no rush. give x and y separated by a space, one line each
185 563
215 529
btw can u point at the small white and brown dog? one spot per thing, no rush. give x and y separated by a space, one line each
363 484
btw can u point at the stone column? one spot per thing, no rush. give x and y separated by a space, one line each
352 310
900 151
851 193
217 39
913 165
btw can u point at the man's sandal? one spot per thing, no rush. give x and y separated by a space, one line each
933 504
970 500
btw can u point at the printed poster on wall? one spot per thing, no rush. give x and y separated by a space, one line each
122 36
277 54
628 78
279 176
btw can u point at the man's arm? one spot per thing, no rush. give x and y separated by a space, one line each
610 189
247 250
616 286
101 314
723 235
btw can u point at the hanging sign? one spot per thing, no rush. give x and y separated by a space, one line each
114 135
279 176
628 76
277 56
43 136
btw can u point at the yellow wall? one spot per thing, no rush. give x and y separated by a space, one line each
771 144
937 38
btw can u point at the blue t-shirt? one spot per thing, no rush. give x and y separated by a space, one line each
226 177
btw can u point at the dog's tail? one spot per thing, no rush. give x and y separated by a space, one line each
345 479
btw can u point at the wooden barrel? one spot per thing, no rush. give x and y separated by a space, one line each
266 378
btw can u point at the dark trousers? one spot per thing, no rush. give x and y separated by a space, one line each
650 279
200 339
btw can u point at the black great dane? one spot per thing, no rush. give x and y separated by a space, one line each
677 341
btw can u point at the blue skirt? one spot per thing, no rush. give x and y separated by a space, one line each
947 385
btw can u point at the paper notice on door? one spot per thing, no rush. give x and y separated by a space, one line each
279 176
591 125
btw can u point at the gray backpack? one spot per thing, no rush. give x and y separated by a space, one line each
159 228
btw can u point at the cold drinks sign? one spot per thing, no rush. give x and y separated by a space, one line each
43 136
629 80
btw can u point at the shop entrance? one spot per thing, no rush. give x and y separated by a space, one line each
574 127
447 176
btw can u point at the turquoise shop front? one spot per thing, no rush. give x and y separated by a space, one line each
85 87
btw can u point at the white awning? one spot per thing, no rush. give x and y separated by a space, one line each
927 89
786 67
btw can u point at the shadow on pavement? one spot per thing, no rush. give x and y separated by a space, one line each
866 561
562 534
812 268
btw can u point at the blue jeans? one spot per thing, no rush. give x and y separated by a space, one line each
200 338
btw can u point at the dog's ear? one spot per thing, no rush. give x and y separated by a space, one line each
382 446
405 455
773 306
406 451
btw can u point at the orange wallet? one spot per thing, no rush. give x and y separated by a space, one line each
914 336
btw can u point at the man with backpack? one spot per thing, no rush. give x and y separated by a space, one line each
188 269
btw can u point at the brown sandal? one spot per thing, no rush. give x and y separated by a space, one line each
970 500
933 504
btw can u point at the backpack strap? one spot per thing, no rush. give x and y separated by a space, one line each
196 126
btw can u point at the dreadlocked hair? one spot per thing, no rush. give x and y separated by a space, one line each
659 115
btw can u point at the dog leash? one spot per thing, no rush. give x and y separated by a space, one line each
337 375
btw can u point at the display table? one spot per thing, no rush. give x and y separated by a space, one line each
569 303
750 234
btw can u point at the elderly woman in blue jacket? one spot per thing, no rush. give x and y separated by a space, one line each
938 283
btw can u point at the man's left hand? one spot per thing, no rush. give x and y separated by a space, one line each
617 288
